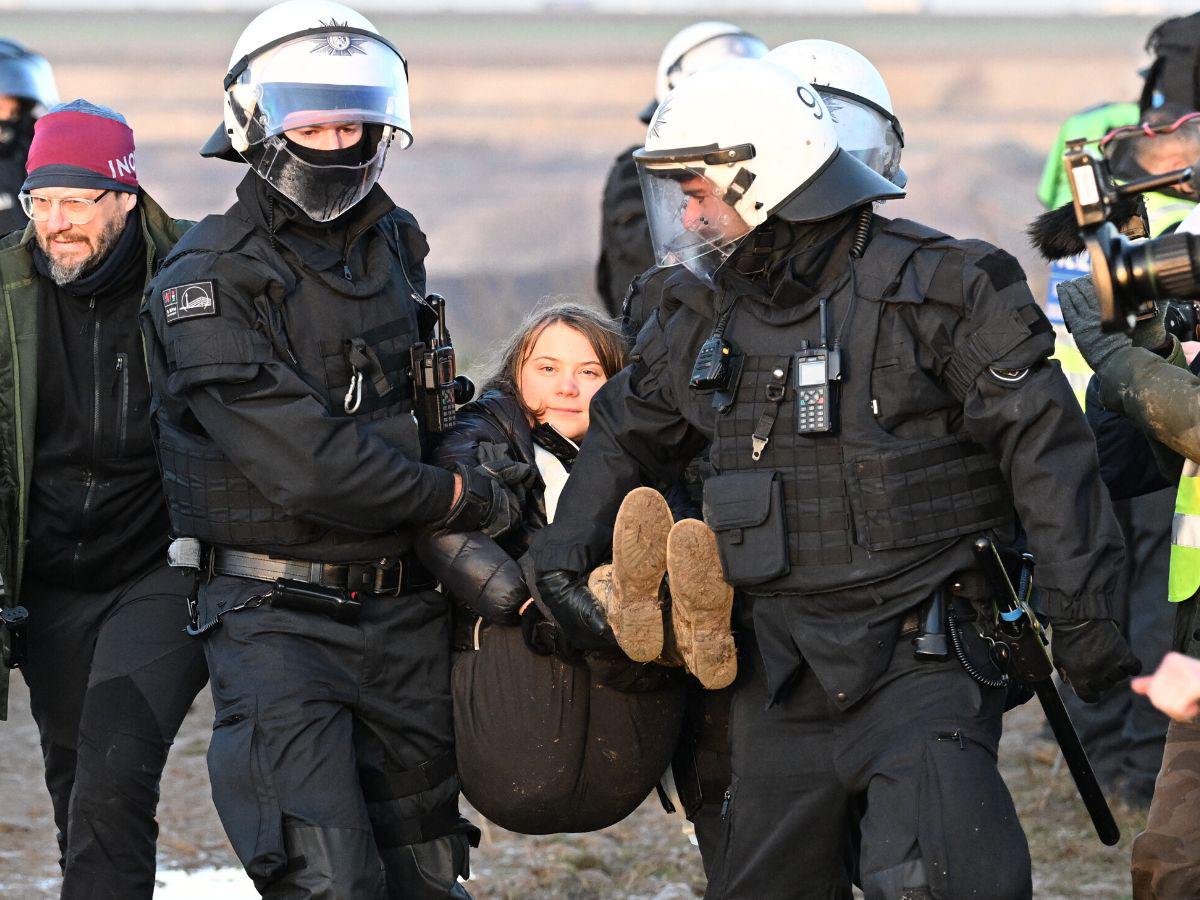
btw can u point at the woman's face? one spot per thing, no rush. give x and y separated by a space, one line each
559 377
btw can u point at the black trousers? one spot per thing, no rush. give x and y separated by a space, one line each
331 759
904 785
111 675
1123 733
701 766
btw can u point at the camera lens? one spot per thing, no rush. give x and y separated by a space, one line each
1165 267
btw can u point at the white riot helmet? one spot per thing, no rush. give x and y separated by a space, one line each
698 47
313 62
731 147
26 75
857 98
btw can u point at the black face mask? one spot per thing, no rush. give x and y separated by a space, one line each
354 155
16 134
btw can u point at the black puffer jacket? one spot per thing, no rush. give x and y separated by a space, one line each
483 576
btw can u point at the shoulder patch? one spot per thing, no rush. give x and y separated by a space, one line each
1002 269
189 301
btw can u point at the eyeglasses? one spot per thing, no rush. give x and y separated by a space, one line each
76 210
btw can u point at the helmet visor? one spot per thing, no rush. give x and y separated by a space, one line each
865 133
715 50
322 79
322 192
690 224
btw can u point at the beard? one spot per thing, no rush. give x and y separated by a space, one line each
64 273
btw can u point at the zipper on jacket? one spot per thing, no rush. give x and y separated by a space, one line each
122 402
89 477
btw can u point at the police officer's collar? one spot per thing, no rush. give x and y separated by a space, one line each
267 206
325 242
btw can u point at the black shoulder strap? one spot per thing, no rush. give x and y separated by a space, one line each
891 269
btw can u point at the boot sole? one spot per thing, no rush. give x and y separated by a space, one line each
702 604
639 564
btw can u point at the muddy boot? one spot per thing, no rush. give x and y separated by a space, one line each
638 566
701 604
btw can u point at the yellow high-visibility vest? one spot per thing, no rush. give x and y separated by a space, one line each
1185 536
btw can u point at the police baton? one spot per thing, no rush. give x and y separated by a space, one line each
1029 663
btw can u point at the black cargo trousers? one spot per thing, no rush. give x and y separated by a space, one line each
918 754
332 755
111 675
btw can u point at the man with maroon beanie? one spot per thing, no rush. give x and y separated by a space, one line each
83 523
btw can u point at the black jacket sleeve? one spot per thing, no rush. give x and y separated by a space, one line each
473 569
1017 403
268 420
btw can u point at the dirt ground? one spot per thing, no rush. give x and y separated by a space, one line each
516 122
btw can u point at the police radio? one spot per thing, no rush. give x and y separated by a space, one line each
717 362
818 372
438 387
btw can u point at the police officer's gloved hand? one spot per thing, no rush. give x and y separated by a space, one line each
1081 311
1091 654
544 637
485 502
578 612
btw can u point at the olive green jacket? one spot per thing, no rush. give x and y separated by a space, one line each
18 387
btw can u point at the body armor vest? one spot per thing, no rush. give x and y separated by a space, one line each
828 511
326 328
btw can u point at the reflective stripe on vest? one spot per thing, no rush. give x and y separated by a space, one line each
1185 536
1163 211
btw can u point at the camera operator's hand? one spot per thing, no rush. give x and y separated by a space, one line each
1081 311
578 612
1091 655
485 500
1151 333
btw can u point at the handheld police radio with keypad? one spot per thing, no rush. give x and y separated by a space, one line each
438 386
818 372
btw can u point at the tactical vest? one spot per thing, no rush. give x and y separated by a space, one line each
859 506
326 338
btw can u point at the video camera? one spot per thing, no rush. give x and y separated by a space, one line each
1129 277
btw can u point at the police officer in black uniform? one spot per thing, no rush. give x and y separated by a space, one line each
26 91
625 250
279 338
874 392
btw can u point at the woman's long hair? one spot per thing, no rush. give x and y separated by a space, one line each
602 332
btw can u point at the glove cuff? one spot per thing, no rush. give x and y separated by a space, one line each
470 511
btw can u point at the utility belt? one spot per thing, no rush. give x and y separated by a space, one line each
331 589
956 622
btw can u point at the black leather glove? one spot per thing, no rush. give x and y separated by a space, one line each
544 637
1091 655
578 613
485 502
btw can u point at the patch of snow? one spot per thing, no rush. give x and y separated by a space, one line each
202 884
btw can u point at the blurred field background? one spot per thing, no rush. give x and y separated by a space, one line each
517 119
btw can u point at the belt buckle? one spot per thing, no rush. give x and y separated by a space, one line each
381 572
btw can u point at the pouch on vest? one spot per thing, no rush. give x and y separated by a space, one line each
925 492
745 509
